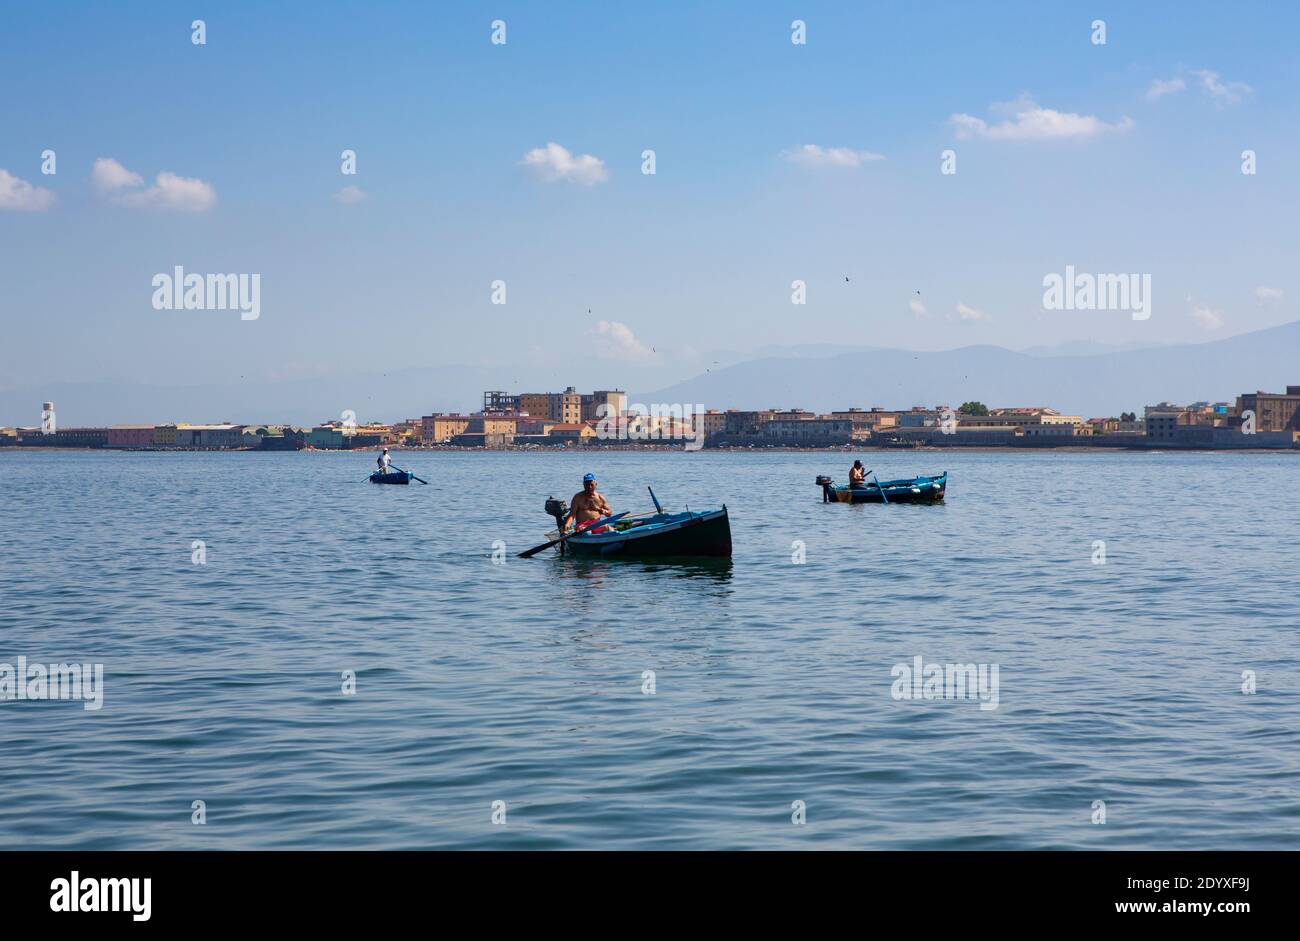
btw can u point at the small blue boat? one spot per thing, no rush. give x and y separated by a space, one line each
919 489
393 477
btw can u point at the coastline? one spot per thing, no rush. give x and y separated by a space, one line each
646 449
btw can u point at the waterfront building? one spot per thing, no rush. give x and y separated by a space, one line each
73 438
535 404
566 406
278 438
1035 421
959 435
801 431
408 432
711 423
164 436
1274 411
210 436
571 432
874 419
439 428
496 401
325 438
740 423
918 416
489 424
1163 420
480 440
613 400
131 436
1055 429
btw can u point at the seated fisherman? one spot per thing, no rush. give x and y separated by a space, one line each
587 507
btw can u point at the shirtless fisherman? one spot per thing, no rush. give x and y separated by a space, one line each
587 507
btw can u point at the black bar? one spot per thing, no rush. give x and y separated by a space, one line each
945 890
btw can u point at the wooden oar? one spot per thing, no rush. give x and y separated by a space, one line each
400 471
529 553
883 498
658 508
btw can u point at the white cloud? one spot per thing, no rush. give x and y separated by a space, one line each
21 196
1159 88
967 314
110 176
169 191
1223 93
350 195
616 340
1269 294
1028 121
553 163
811 155
917 308
1206 318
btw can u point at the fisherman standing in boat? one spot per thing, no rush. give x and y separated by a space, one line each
857 475
587 507
385 462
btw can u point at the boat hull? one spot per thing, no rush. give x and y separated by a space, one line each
685 535
917 490
393 478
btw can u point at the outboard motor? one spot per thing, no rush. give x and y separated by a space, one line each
558 509
825 483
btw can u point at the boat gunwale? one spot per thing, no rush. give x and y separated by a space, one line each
643 530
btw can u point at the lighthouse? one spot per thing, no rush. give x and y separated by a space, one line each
47 418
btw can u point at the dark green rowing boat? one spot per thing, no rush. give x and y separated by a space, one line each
694 533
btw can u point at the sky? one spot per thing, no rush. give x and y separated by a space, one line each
522 163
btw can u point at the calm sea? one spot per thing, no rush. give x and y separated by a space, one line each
773 680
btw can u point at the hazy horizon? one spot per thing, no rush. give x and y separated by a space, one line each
522 163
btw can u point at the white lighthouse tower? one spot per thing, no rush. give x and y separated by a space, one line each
47 419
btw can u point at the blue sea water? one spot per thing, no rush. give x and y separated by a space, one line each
523 683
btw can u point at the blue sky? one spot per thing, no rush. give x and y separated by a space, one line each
694 259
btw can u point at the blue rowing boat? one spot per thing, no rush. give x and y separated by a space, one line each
917 489
394 477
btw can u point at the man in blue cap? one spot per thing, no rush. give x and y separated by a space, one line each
587 507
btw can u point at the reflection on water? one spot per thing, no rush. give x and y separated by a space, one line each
712 569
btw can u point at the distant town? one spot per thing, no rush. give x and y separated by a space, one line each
571 419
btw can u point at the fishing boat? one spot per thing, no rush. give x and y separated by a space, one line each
393 477
917 489
660 534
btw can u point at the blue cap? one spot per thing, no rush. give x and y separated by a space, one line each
587 477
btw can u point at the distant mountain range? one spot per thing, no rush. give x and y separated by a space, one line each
1096 383
1081 378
